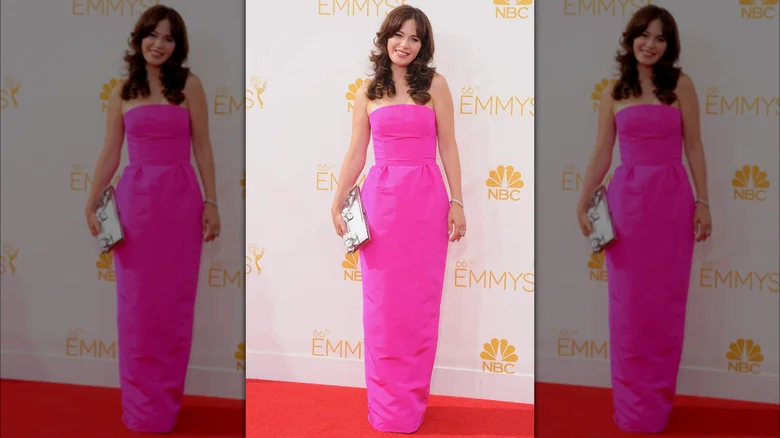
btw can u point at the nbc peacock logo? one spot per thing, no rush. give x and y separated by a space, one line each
351 265
512 9
597 267
744 357
498 356
504 183
352 92
598 91
758 9
108 88
240 357
105 267
750 184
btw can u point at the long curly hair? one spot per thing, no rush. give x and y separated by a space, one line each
419 73
665 72
173 74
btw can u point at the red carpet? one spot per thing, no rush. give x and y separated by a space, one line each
576 411
296 410
50 410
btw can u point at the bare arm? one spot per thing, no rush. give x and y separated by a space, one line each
109 158
694 148
601 157
445 125
201 139
355 160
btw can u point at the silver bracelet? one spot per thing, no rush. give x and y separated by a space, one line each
702 202
212 202
457 202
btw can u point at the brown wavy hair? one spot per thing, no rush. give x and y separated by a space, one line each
173 74
419 73
665 72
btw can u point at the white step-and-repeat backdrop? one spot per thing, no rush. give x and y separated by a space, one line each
729 48
60 60
305 61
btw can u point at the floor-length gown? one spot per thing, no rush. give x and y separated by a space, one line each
403 265
649 265
157 266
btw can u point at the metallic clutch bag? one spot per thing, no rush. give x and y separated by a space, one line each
107 213
357 224
598 212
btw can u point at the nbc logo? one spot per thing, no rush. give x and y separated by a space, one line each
597 267
498 356
240 357
8 92
351 265
745 357
750 184
105 92
512 9
598 91
504 183
352 92
9 255
757 9
105 266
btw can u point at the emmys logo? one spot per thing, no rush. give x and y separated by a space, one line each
597 267
716 103
253 263
357 8
351 265
504 184
744 357
570 346
352 92
598 92
323 346
328 178
602 8
572 180
81 181
220 277
105 267
473 103
77 345
467 277
7 259
758 9
105 92
240 357
714 276
512 8
750 184
243 185
105 8
8 93
498 356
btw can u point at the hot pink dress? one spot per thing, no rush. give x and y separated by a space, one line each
403 265
157 265
649 265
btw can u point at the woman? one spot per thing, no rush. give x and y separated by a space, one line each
405 107
163 107
654 109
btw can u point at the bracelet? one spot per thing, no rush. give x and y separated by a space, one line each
212 202
702 202
457 202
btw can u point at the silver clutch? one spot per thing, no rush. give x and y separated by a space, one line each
600 217
107 213
357 224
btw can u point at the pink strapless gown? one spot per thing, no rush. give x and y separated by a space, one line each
403 265
157 265
649 265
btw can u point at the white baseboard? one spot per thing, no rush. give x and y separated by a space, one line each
702 382
103 372
350 372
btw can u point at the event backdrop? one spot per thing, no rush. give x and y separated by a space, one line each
59 62
729 48
304 300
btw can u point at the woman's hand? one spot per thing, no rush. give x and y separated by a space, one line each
457 222
92 222
338 223
585 224
211 224
702 223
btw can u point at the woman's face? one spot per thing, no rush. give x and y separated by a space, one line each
651 45
404 46
158 46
